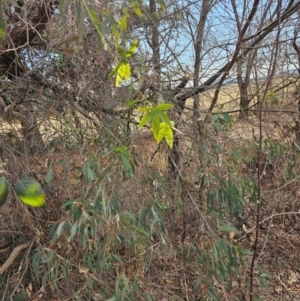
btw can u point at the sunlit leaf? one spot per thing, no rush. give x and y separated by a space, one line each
169 136
167 133
3 191
155 126
165 106
30 192
164 118
123 72
132 48
135 8
145 119
161 4
145 109
123 23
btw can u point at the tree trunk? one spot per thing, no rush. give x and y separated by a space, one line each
155 39
245 100
200 123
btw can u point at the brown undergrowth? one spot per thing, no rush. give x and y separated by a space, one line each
105 233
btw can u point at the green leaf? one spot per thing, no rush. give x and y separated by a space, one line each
228 228
135 8
115 32
115 70
94 16
117 258
123 23
165 106
20 297
80 16
164 118
145 119
60 228
169 136
161 4
125 156
235 154
226 117
145 109
122 53
150 297
49 175
30 192
88 172
73 231
132 49
131 103
3 190
155 126
2 30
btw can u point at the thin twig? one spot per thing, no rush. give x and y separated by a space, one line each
271 74
284 286
269 217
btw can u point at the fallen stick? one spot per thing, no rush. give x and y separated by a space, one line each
12 257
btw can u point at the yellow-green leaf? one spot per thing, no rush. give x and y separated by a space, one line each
123 72
123 23
165 132
30 192
145 119
169 136
161 4
155 126
135 8
164 118
132 49
125 11
165 106
145 109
